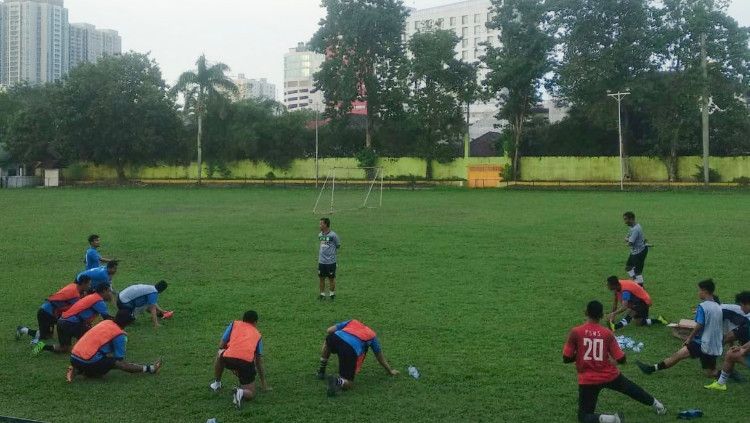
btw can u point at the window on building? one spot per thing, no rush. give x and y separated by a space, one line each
465 55
464 20
453 21
416 25
476 42
477 29
477 18
464 43
465 32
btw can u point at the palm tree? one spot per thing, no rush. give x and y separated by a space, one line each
198 86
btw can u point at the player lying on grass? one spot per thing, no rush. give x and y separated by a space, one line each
93 258
76 320
52 308
241 351
632 299
349 340
593 348
705 340
140 298
102 349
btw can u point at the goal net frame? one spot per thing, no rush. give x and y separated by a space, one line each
370 184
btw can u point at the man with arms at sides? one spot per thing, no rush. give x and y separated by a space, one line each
52 308
593 347
638 248
632 299
75 321
329 246
705 340
349 340
142 297
93 258
241 351
102 349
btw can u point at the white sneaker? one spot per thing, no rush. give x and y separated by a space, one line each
215 385
659 408
237 397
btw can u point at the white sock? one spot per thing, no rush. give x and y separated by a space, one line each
24 330
631 273
658 405
609 418
723 377
331 293
648 322
639 279
624 322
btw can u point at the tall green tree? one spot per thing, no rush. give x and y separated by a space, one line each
435 102
362 40
517 66
118 112
207 81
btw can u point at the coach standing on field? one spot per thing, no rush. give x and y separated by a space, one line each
638 248
329 246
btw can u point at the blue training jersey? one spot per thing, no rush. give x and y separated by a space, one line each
115 348
99 276
93 259
359 346
99 307
228 331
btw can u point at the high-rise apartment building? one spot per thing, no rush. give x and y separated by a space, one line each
254 88
300 64
34 41
89 44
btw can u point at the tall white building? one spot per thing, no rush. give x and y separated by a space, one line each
89 44
468 20
254 88
300 64
34 41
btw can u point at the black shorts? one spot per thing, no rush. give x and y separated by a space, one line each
742 334
639 308
244 370
347 356
637 261
588 396
708 362
327 270
95 369
46 324
66 331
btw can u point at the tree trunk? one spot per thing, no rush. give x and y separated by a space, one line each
368 131
518 132
120 168
200 149
672 159
429 172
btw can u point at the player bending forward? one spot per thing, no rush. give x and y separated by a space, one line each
591 346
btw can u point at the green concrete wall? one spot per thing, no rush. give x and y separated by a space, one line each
607 169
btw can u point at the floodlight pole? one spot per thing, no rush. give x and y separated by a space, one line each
619 96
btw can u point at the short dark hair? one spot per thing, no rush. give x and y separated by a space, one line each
595 310
250 316
161 286
83 279
101 288
742 298
707 285
629 215
613 281
93 237
123 318
112 264
327 221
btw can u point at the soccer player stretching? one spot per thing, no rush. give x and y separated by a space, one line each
591 346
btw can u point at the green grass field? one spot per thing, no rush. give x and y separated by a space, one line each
477 289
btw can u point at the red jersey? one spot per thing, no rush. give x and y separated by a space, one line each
592 345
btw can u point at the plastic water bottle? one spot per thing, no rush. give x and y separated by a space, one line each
211 420
413 372
690 414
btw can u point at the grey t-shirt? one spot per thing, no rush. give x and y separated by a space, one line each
329 243
635 238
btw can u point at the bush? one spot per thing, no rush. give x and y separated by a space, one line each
270 175
367 157
713 174
742 181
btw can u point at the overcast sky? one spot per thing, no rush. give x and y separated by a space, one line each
251 36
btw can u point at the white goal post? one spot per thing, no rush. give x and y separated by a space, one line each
350 188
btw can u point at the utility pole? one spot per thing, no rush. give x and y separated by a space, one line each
704 109
619 96
316 146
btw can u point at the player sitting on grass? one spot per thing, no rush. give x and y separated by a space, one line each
350 341
139 298
100 275
93 258
633 299
76 320
102 349
737 319
241 351
52 308
593 347
705 341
